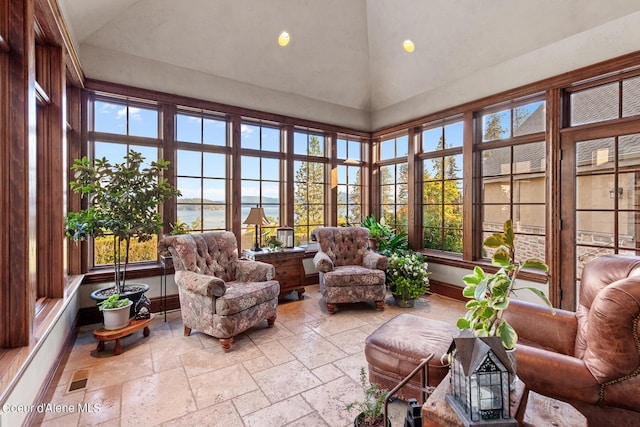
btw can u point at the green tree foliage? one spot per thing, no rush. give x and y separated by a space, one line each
308 198
442 200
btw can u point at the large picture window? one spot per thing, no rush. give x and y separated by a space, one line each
394 183
201 171
261 178
513 176
349 205
442 187
120 126
309 182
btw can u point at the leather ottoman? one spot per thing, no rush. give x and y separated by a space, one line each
396 348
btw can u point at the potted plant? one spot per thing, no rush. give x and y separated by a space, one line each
383 239
115 312
123 201
407 277
371 409
489 294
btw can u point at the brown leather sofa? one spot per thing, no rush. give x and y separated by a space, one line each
590 358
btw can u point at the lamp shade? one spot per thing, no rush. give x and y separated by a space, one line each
256 216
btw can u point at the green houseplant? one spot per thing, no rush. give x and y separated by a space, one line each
122 201
371 409
407 277
383 239
489 294
115 312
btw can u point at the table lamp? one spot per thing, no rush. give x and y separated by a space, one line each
256 217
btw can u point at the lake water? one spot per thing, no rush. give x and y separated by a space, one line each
215 219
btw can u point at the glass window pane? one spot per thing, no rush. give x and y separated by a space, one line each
250 136
593 191
270 139
529 119
271 169
495 216
595 228
149 154
214 191
250 167
433 238
528 246
270 193
188 128
354 150
341 149
316 173
143 122
388 149
342 174
595 155
402 146
453 240
529 218
214 132
214 165
432 139
300 143
631 97
316 145
114 153
110 117
387 174
595 105
496 162
529 189
354 175
628 226
190 189
529 158
271 212
188 213
432 192
453 135
250 193
496 191
496 126
213 218
453 166
629 151
189 163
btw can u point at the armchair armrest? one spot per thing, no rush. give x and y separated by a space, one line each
556 375
322 262
254 271
374 261
537 323
201 284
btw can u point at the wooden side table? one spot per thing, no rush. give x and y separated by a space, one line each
103 334
288 266
529 408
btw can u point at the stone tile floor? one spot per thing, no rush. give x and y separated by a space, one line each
301 372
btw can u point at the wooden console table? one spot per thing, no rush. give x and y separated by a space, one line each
289 268
103 334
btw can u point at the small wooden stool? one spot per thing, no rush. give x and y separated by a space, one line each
103 334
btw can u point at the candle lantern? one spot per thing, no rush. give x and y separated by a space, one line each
479 378
285 235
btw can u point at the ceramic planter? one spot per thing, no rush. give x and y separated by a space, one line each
133 291
117 318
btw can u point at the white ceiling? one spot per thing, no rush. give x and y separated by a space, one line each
347 53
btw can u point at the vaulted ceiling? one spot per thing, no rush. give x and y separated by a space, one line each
345 53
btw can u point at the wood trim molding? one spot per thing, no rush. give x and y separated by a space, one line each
4 46
161 97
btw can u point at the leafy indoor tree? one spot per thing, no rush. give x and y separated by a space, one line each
123 201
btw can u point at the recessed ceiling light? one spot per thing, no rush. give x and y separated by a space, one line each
284 38
408 46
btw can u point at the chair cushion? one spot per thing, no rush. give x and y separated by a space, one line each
350 275
243 295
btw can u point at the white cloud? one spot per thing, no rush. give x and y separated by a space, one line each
246 130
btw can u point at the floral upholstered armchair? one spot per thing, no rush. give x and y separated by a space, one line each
220 295
348 270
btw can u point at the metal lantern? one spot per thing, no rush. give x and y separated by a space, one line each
285 235
479 379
